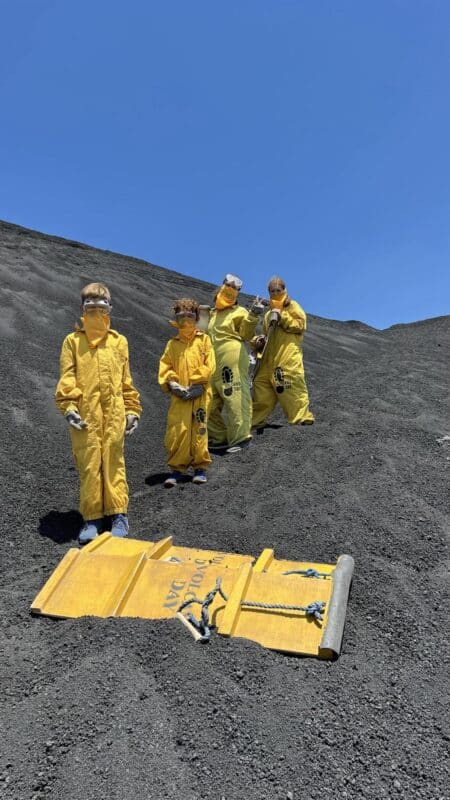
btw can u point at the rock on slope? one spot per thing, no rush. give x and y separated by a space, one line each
120 709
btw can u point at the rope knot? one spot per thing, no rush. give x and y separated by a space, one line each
315 609
307 573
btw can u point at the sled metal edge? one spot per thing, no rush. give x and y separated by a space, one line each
330 644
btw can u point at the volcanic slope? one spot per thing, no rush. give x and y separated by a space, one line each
119 709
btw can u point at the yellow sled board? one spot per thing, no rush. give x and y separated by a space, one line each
88 583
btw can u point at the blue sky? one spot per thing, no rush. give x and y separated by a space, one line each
306 139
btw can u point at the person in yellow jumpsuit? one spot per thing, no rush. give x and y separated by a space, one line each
280 376
185 369
99 401
230 326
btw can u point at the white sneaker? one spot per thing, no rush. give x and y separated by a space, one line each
199 476
173 479
236 448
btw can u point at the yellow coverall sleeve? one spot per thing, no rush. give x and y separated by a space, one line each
293 319
130 394
204 371
67 393
167 371
246 325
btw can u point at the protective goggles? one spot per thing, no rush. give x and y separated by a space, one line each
277 290
232 280
185 315
100 303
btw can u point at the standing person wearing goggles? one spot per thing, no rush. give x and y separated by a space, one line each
185 369
99 401
281 376
230 326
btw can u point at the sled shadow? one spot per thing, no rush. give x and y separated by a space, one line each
61 526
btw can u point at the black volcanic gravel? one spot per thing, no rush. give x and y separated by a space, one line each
119 709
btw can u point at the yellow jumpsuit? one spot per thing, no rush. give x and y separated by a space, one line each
230 415
96 382
187 363
281 376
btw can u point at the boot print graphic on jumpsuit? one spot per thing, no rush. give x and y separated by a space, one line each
230 413
281 377
278 377
227 380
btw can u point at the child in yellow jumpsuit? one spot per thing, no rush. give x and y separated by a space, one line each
97 397
185 369
281 376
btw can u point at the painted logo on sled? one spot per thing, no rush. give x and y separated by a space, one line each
189 589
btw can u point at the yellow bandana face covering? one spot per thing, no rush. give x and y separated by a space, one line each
278 301
226 297
96 325
186 328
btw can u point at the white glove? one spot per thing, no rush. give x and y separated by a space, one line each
132 423
74 419
177 390
196 390
257 306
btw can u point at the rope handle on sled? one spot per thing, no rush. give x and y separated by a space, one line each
200 629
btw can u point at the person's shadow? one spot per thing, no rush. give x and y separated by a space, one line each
274 426
61 526
218 452
160 477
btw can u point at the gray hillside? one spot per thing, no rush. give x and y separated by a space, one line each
118 709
